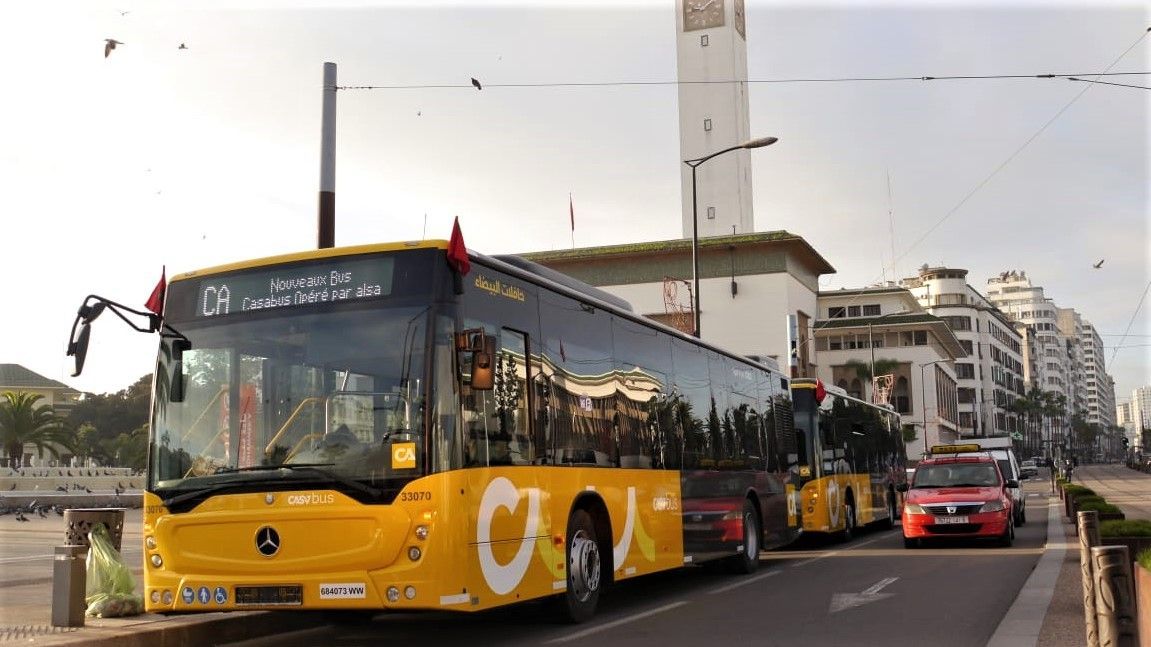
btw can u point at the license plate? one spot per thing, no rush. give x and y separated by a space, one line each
946 520
261 595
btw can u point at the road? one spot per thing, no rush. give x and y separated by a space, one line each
871 591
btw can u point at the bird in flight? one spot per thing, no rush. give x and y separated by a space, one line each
477 84
1099 264
109 45
182 46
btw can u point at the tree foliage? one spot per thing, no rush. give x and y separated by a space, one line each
24 421
112 428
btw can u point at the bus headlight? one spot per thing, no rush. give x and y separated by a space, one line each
150 542
167 598
155 596
421 532
393 594
156 560
410 592
414 553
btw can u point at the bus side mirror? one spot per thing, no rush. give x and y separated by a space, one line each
483 371
176 385
78 348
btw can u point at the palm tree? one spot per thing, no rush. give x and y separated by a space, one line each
23 422
862 370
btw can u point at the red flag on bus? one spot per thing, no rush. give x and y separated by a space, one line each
155 302
457 252
820 392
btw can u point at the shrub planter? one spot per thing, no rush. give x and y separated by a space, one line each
1143 603
1135 545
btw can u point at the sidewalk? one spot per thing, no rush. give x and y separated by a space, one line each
1055 588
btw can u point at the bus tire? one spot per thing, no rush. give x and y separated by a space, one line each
747 561
889 522
584 569
848 512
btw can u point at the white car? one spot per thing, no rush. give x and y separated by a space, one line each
1028 469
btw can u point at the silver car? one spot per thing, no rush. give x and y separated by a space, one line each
1028 469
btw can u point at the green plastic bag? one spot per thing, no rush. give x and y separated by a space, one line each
109 590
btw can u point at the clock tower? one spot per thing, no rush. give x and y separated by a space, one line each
713 114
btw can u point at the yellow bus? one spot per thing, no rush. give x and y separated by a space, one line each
392 427
862 460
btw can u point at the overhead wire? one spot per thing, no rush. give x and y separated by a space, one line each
970 194
847 79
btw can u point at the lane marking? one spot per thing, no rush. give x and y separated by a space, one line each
616 623
742 582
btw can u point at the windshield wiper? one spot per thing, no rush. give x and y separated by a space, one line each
316 468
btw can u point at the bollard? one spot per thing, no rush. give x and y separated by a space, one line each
1088 539
1114 596
69 579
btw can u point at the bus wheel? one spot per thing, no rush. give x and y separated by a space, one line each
848 521
748 560
889 522
585 569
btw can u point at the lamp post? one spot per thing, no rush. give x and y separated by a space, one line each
923 397
751 143
871 344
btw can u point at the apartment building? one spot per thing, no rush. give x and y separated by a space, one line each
993 374
885 328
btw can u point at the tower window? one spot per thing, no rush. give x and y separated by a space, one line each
711 213
707 124
703 40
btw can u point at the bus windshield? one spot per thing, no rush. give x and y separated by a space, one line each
281 401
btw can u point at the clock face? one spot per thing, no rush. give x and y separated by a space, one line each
702 14
740 19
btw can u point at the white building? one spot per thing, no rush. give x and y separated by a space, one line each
992 375
885 327
1100 386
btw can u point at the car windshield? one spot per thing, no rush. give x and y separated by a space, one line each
956 475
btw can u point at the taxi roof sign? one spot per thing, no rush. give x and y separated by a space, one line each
955 449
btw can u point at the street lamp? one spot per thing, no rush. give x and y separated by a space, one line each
923 397
751 143
871 344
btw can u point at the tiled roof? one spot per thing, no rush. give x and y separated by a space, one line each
16 376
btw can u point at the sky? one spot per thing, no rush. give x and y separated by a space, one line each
160 157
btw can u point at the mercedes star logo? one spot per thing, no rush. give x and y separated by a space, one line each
267 541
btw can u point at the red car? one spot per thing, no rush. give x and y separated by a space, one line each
957 496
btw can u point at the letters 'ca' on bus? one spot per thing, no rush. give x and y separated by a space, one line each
366 429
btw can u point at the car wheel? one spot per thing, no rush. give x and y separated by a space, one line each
1008 535
585 569
748 560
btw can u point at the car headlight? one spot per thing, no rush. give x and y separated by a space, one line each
913 508
992 506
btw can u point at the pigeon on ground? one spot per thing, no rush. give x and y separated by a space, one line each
182 46
20 516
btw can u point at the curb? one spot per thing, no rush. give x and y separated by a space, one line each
151 630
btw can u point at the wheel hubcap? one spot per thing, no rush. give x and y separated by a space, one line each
751 544
583 566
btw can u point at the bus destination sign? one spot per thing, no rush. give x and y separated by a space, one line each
295 285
